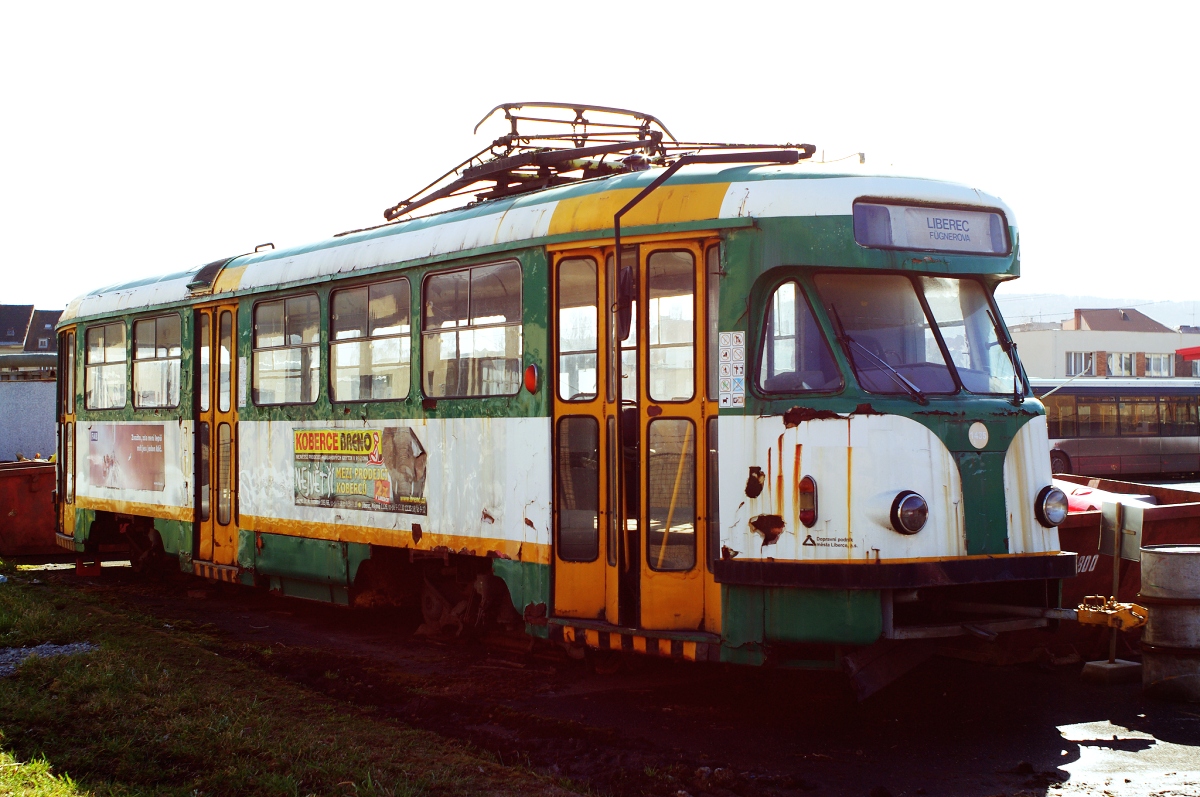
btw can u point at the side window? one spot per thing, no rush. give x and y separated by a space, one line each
66 354
104 380
287 358
671 313
795 355
1139 416
1096 416
712 290
1179 416
471 332
156 356
1060 415
371 342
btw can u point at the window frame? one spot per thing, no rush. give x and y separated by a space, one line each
698 304
826 338
520 325
1087 361
601 330
87 365
134 359
254 349
331 341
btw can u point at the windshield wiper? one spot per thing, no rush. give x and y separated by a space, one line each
1010 348
896 376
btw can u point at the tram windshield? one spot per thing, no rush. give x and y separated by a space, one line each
893 343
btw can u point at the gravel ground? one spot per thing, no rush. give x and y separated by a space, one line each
11 658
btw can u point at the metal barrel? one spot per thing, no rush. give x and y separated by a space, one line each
1171 639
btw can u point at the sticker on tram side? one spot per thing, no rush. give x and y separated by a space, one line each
731 369
381 470
127 456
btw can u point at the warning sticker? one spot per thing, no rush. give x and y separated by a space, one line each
731 364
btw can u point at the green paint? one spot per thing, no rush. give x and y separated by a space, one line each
356 554
176 536
300 558
528 585
763 615
983 501
852 617
84 518
245 549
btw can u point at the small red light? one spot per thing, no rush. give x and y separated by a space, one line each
531 378
807 501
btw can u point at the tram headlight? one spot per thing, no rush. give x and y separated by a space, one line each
909 512
1051 506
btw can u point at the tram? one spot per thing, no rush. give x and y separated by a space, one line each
710 401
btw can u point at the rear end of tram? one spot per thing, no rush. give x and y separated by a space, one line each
722 411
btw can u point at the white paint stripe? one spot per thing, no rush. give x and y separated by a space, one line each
834 196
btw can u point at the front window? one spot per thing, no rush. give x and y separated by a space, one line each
889 341
795 356
964 317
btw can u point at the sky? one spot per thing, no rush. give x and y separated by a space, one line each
143 139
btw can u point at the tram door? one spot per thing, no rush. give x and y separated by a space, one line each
216 435
646 411
66 432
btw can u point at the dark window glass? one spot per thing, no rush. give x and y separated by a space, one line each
1060 415
372 342
224 474
1139 416
1096 415
1179 415
105 375
471 339
67 378
611 452
578 333
886 334
671 481
578 489
157 352
712 524
671 313
627 355
203 469
287 360
795 355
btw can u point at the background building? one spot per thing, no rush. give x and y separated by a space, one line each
1105 342
28 367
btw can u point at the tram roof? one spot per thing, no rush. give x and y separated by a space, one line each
701 196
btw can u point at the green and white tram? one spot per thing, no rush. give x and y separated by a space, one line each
785 424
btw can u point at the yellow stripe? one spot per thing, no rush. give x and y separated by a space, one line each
229 279
476 546
134 508
667 205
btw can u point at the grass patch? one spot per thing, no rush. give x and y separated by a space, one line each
158 710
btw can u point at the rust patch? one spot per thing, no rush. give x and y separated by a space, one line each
770 526
535 614
865 409
416 532
938 412
798 415
728 553
779 478
796 488
754 484
529 523
487 517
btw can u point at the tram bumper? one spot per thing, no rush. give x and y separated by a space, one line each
896 575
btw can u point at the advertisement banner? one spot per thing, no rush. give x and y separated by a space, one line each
127 456
380 470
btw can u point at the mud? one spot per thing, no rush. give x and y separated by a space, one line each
629 725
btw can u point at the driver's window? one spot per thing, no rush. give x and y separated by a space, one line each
795 356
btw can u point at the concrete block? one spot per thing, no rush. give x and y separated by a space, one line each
1114 672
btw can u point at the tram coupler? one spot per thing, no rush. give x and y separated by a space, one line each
1099 610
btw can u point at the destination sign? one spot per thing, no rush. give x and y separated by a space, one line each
930 229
